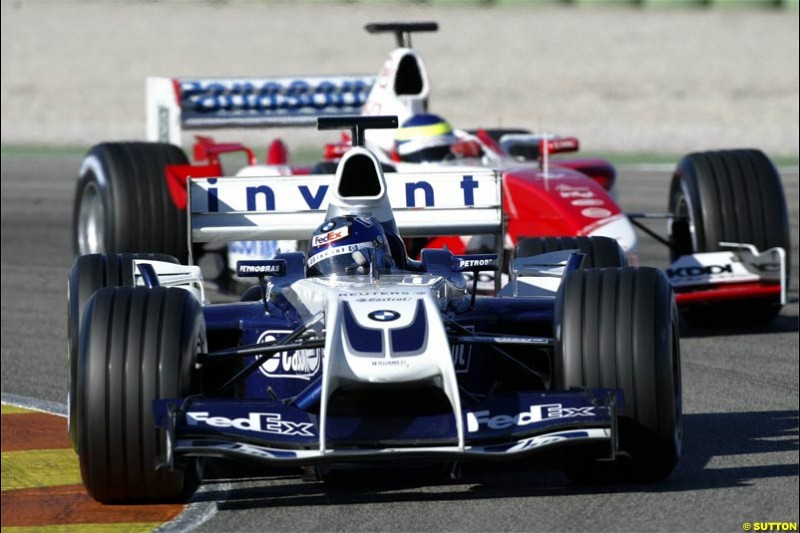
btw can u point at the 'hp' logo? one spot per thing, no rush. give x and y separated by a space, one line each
384 315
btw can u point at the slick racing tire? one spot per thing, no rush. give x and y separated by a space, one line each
728 196
600 251
123 204
139 345
617 328
88 274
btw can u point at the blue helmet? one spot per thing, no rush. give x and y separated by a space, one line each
424 138
348 244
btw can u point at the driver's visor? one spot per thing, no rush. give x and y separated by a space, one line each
340 260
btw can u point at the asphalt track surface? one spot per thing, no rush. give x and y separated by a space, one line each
740 460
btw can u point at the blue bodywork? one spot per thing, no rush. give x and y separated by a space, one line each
502 351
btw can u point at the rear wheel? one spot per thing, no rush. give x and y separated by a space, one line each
600 251
88 274
139 345
728 196
123 204
617 329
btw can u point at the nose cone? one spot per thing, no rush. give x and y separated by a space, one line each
402 89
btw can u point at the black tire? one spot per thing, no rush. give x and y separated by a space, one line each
122 202
138 345
88 274
617 328
728 196
600 251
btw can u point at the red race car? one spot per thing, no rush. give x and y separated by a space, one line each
728 223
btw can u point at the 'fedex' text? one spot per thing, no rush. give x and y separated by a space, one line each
261 422
536 413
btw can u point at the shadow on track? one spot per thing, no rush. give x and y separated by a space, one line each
714 435
783 323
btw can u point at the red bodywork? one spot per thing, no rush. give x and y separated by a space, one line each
599 170
565 203
207 150
538 203
727 292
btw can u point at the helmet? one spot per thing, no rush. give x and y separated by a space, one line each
424 138
348 244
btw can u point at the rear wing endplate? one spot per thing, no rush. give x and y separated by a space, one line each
177 104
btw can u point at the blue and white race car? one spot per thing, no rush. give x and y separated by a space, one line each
356 353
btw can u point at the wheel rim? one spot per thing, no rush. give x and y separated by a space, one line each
683 213
91 221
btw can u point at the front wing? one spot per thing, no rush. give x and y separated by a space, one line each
740 273
504 427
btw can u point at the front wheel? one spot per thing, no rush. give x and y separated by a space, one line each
732 196
617 328
88 274
139 345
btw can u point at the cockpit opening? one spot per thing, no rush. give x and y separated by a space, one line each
408 80
359 178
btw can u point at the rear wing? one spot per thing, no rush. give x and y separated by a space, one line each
174 105
292 207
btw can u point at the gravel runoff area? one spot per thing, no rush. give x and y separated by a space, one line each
622 79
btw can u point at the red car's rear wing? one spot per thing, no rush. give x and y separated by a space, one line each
174 105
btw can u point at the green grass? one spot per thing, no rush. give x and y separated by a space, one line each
312 154
301 154
651 158
40 150
306 155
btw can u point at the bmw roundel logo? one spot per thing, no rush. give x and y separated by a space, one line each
384 315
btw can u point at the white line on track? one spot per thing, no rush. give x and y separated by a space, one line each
196 512
33 404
